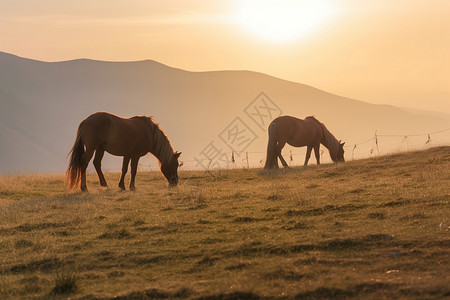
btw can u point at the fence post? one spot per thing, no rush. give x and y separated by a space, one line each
246 157
376 142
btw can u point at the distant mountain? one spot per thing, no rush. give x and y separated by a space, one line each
206 115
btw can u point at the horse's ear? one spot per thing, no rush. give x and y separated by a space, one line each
342 144
177 154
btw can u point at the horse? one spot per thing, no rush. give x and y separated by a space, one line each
130 138
299 133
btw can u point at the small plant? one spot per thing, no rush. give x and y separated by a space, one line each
65 283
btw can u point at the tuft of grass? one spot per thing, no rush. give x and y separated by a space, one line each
66 283
116 234
377 215
23 244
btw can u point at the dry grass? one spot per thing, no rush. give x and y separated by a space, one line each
375 228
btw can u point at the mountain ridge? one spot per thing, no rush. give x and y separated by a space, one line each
154 62
244 71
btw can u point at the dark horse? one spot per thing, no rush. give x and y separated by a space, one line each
130 138
299 133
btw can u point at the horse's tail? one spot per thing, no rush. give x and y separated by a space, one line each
73 174
271 159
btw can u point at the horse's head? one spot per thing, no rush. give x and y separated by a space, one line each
338 155
170 169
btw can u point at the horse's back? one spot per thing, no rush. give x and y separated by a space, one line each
289 124
103 121
298 132
283 127
96 123
119 136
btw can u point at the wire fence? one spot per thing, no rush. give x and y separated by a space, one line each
379 144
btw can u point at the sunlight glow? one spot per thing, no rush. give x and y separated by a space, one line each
283 20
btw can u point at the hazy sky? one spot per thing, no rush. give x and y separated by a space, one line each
385 51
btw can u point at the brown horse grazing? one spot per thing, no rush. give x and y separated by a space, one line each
299 133
130 138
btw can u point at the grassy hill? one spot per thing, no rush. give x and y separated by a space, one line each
375 228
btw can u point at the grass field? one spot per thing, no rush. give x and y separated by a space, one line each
367 229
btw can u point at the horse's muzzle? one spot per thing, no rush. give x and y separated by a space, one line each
173 181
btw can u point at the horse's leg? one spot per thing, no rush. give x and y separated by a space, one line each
126 161
317 153
86 159
98 165
274 162
134 165
280 147
308 155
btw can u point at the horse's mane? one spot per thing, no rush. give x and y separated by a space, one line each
161 144
329 140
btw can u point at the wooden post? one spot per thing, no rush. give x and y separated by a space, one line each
376 142
246 157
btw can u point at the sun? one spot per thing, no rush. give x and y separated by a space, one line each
283 20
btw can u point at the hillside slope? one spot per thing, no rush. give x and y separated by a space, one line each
368 229
43 103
